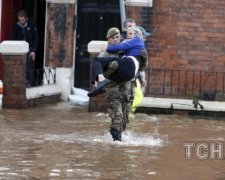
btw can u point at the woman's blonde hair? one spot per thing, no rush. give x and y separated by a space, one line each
136 31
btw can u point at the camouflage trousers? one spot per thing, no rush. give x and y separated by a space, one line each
119 99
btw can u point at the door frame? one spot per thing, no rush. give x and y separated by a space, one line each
1 20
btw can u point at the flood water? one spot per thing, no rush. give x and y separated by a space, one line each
63 141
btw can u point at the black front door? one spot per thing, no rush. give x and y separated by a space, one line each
94 18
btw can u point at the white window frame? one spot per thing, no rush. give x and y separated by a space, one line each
144 3
62 1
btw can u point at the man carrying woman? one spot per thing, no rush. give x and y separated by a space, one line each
119 95
134 59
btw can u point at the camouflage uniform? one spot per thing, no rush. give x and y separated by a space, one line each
119 97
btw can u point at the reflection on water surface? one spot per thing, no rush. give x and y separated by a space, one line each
66 142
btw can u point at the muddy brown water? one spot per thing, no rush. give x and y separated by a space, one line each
63 141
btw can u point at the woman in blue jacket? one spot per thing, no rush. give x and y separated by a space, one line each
127 66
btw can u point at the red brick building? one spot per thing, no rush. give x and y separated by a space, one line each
186 46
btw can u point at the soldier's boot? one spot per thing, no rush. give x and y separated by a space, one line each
112 67
116 135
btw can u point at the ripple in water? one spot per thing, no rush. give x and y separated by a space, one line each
128 139
131 139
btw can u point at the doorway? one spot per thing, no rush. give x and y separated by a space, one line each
94 18
36 11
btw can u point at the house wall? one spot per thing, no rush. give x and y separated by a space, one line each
187 35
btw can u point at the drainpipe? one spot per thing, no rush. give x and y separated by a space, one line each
122 13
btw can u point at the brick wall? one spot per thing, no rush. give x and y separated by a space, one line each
97 103
188 34
185 35
14 79
60 35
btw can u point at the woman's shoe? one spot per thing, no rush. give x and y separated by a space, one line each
100 89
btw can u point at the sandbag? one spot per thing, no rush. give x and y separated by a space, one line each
79 91
78 99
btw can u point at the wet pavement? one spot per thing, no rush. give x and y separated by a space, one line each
63 141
